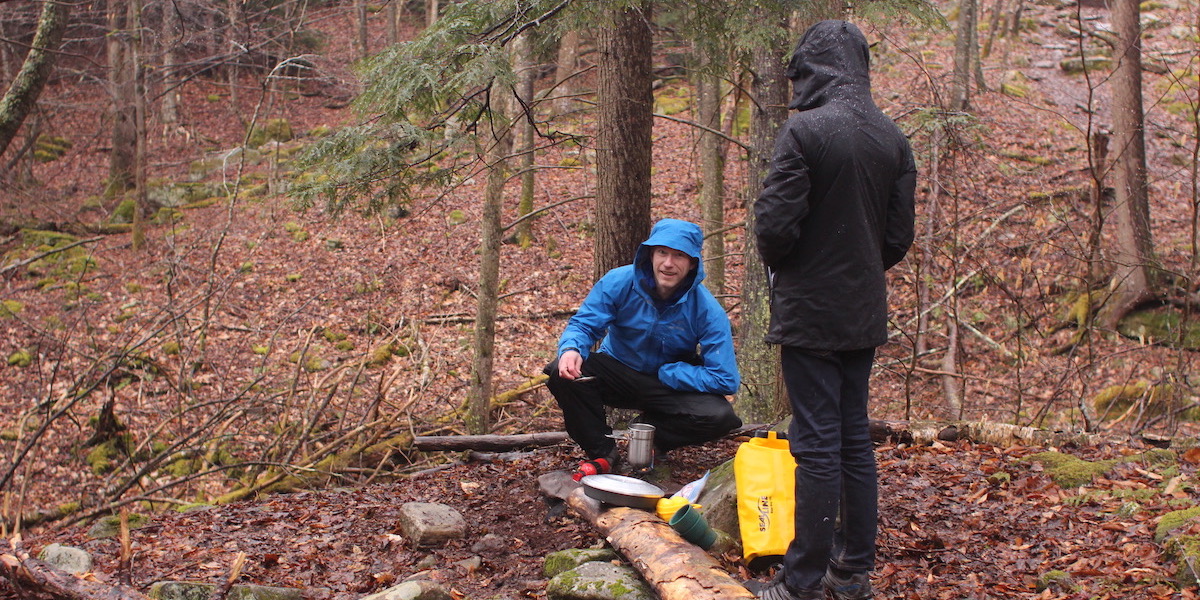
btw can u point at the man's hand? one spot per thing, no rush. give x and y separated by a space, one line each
570 365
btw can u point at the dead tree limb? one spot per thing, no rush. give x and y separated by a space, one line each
28 572
675 568
487 443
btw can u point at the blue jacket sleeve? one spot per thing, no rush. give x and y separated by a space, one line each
717 372
590 323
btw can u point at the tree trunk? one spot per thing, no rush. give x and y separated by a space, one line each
478 418
566 66
173 29
623 129
1133 279
964 45
361 39
122 162
27 85
675 568
761 398
712 181
432 8
526 122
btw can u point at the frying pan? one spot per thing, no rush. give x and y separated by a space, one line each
619 490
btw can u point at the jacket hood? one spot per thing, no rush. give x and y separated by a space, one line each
831 61
679 235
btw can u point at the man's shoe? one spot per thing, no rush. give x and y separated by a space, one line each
777 590
856 586
598 466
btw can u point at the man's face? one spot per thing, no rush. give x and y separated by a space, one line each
671 267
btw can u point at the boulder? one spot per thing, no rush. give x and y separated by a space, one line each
66 558
428 524
411 590
599 581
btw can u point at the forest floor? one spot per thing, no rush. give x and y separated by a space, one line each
1003 229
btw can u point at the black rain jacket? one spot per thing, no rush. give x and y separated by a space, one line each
836 209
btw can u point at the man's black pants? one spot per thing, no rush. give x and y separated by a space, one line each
680 418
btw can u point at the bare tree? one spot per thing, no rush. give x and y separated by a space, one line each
25 88
1134 278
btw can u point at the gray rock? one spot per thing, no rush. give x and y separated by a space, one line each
66 558
430 524
565 560
188 590
411 590
599 581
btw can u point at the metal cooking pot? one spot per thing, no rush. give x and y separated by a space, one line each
619 490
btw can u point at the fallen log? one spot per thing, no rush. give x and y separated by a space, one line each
27 572
487 443
674 567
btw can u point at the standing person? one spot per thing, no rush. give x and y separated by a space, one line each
666 349
835 212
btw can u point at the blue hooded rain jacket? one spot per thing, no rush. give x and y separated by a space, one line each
686 340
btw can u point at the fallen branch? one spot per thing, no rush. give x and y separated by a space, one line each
28 572
487 443
675 568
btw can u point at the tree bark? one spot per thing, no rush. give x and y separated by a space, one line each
526 122
478 417
25 88
712 181
964 53
675 568
487 443
122 162
566 65
761 397
1133 279
624 125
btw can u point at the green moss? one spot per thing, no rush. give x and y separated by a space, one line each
21 358
246 267
171 348
1150 399
1069 471
261 349
10 308
380 355
332 335
110 526
101 458
123 213
344 345
1060 581
279 130
1162 325
1174 520
293 277
456 217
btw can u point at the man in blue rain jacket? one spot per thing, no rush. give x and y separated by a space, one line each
665 349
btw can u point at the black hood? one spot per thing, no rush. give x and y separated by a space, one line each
831 61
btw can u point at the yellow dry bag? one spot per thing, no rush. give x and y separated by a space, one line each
765 472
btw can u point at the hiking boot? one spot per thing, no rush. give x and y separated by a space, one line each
855 586
777 590
597 466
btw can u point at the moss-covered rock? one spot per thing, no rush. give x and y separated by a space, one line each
279 130
1070 471
110 526
565 560
599 581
